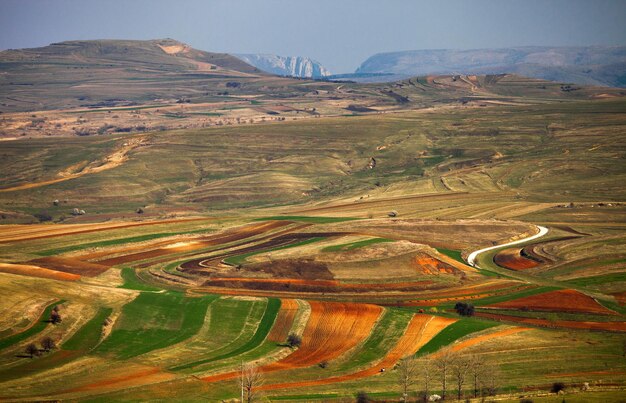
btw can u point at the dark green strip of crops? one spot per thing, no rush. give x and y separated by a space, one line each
41 324
454 254
454 332
88 336
265 325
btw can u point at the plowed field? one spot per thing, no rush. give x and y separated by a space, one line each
557 301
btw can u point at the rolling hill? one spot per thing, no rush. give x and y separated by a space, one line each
592 65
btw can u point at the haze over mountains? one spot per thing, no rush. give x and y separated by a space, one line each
590 65
295 66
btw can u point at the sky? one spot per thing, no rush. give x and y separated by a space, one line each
340 34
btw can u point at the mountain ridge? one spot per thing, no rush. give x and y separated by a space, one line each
591 65
295 66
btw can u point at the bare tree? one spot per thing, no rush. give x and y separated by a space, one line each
407 375
250 379
48 343
490 379
32 350
55 317
443 363
428 374
477 373
460 370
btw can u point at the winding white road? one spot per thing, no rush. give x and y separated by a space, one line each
471 259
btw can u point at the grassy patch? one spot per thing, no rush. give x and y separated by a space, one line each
355 245
89 335
598 280
240 259
316 220
454 254
153 321
454 332
132 282
265 325
37 327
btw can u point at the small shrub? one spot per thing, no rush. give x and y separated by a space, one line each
362 397
294 340
43 216
557 387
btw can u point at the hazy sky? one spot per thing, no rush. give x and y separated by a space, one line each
339 33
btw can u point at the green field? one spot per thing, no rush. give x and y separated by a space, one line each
153 321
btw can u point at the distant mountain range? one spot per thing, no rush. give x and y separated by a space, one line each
590 65
294 66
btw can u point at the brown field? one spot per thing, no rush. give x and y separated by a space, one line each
484 337
512 259
138 376
566 324
620 297
12 233
557 301
333 328
294 285
420 330
284 320
36 271
165 248
69 265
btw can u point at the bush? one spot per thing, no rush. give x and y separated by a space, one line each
294 340
557 387
43 216
362 397
464 309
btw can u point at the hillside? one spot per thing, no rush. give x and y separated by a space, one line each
113 73
169 216
592 65
294 66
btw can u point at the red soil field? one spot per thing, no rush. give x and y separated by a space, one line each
295 285
557 301
436 301
284 320
136 378
567 324
36 271
421 329
620 297
429 265
69 265
513 260
188 244
479 339
333 328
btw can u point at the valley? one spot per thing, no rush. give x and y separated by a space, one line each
197 231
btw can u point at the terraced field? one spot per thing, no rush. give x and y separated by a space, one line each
206 248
